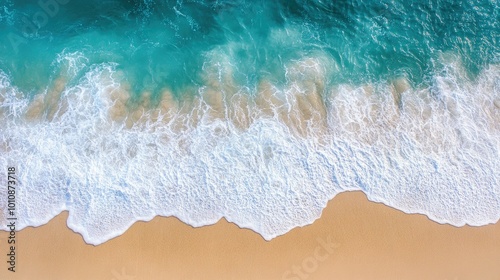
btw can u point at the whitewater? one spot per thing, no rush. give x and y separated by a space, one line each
261 120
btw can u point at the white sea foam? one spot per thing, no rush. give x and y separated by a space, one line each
422 150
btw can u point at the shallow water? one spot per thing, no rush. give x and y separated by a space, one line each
254 111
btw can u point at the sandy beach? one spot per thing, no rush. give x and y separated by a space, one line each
354 239
254 114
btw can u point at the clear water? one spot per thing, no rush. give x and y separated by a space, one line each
255 111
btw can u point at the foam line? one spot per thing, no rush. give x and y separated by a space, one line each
267 158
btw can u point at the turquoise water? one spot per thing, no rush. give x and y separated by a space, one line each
255 111
164 43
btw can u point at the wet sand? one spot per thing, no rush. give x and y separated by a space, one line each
354 239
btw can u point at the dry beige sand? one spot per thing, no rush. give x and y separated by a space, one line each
354 239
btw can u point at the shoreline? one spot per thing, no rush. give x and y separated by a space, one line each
401 157
65 214
353 239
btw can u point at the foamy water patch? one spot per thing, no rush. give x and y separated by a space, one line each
267 160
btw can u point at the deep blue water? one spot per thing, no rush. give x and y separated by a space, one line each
165 43
260 111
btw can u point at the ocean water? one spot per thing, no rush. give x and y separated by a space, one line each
256 111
